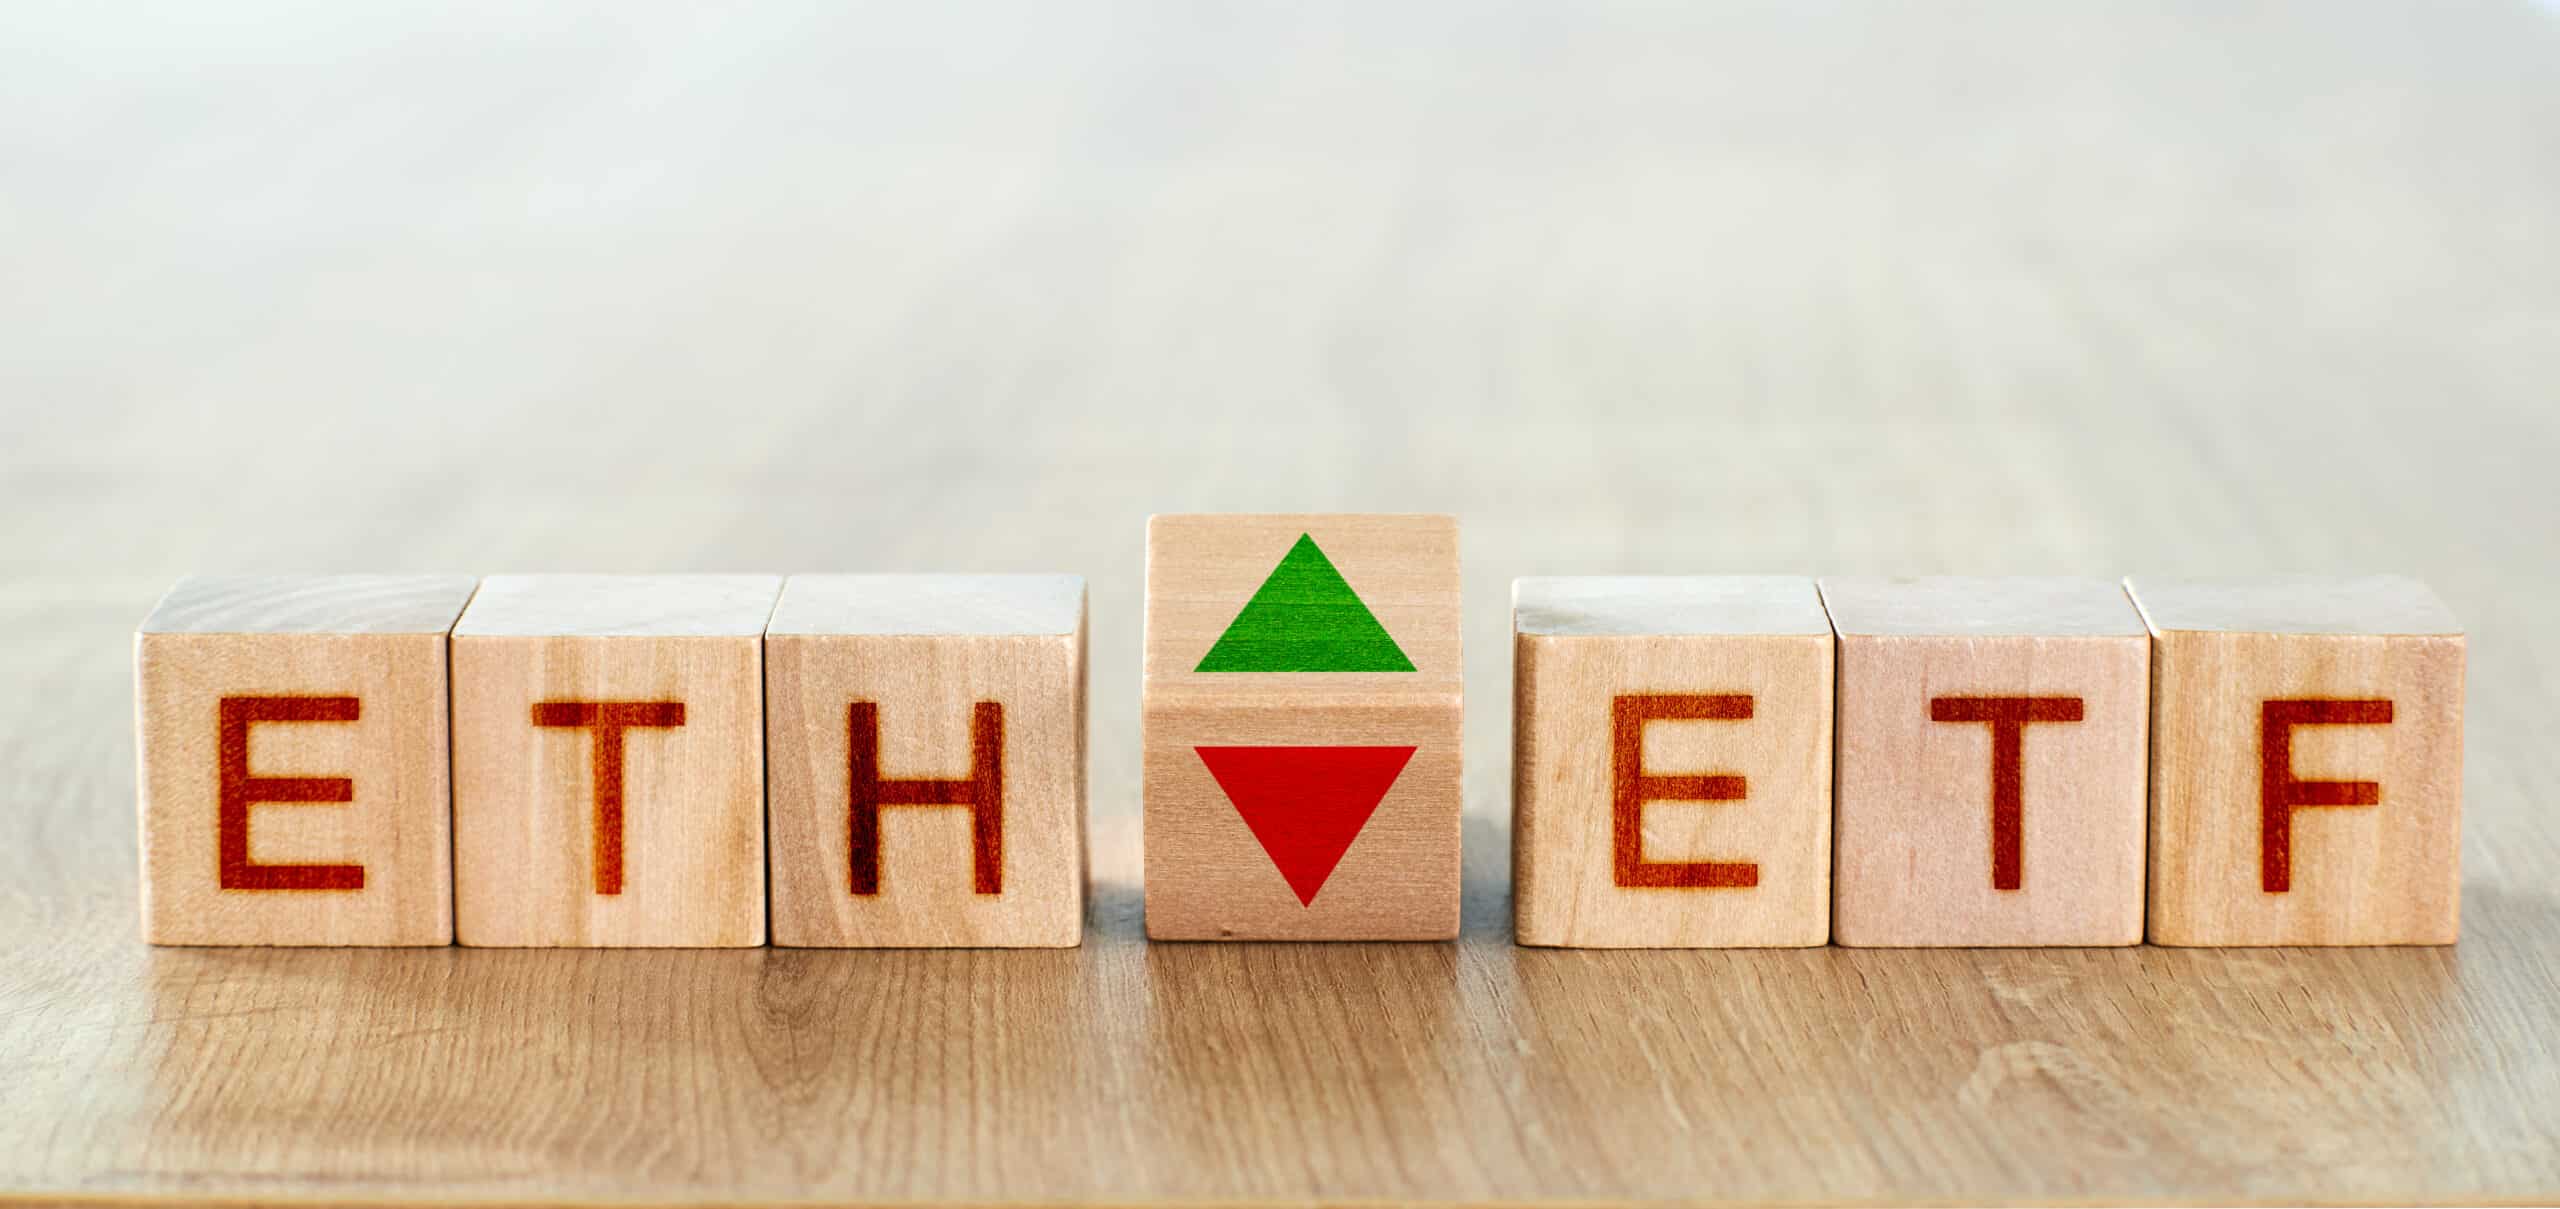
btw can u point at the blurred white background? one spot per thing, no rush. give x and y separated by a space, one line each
1669 287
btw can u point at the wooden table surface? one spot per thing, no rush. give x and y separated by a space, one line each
2187 289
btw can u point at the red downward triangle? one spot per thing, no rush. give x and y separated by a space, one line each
1306 804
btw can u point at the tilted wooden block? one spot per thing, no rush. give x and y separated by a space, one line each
1302 710
292 781
2306 766
926 735
1993 753
608 761
1671 762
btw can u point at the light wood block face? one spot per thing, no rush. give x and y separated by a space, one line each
293 781
1671 762
1210 874
1303 709
608 761
2306 776
1993 754
927 741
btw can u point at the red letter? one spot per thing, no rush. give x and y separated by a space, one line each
608 719
982 793
2279 792
1631 787
2008 717
240 791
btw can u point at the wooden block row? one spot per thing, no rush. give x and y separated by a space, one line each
899 760
1989 762
604 781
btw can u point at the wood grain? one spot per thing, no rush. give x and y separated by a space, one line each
1209 875
2386 871
1919 833
2026 288
924 651
1587 648
374 644
575 830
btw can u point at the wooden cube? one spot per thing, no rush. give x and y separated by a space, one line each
292 775
1993 754
2306 762
927 741
608 761
1302 712
1671 762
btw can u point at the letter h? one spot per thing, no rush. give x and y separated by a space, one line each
982 792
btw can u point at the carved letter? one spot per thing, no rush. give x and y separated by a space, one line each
241 790
982 793
1631 787
2008 717
2279 793
608 719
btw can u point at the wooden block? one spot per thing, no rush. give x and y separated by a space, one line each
608 761
1302 709
293 785
2306 764
927 741
1993 751
1671 762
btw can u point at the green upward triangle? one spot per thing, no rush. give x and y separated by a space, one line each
1304 618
